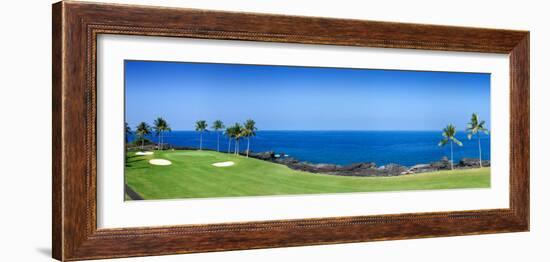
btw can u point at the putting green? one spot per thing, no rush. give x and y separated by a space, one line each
192 175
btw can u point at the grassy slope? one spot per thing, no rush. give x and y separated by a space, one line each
192 175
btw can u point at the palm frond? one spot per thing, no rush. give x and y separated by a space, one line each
250 128
143 129
456 141
476 126
218 125
201 125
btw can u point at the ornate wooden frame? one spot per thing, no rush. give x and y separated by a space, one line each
76 26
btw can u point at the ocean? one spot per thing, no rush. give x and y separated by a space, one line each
345 147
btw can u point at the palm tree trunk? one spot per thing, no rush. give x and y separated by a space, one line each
451 155
142 142
479 146
229 146
218 141
247 146
200 144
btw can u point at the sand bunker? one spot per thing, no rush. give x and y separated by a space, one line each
143 153
224 164
160 162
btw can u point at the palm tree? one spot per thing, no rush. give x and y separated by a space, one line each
201 126
127 131
161 126
142 130
218 125
474 128
237 134
229 133
249 131
449 133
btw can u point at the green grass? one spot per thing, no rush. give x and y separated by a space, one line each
192 175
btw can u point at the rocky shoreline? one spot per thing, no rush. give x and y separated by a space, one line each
364 169
368 169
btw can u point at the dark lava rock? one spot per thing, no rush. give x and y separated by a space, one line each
308 167
286 161
473 163
442 164
392 170
270 155
360 166
366 168
358 169
422 168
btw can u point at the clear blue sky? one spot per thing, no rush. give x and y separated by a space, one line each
302 98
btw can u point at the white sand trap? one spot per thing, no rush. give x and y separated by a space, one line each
160 162
224 164
143 153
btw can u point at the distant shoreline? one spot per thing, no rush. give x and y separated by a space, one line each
361 169
369 169
406 148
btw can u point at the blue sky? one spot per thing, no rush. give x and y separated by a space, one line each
302 98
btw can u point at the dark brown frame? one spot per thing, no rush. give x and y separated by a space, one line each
76 26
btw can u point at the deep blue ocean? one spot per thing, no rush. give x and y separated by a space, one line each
345 147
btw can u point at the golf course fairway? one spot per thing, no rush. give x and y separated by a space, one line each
192 174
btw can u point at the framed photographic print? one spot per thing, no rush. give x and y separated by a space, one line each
182 130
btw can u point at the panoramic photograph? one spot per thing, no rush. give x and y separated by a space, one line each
211 130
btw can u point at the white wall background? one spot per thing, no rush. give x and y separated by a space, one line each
25 158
